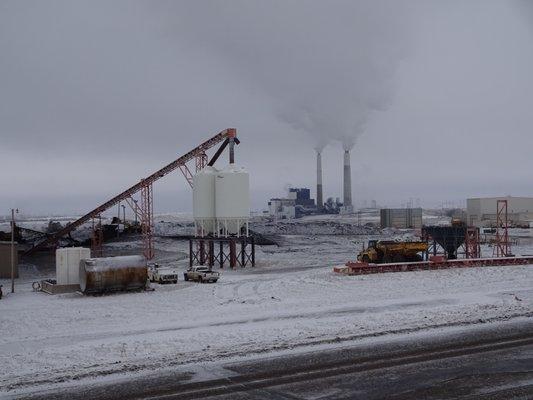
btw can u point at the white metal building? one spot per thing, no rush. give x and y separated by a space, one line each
401 218
482 211
282 208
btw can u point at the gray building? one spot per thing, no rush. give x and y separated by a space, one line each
401 218
5 260
482 212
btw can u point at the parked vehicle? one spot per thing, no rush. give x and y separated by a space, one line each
162 274
201 274
379 251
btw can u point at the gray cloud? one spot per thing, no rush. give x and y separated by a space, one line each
96 94
326 65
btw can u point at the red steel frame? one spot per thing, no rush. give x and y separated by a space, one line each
201 161
472 244
502 247
358 268
180 163
147 220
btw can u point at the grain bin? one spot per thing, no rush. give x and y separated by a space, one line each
232 201
204 200
112 274
68 264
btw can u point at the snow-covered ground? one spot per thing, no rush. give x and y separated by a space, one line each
290 300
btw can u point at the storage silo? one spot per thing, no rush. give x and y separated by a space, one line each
204 200
232 201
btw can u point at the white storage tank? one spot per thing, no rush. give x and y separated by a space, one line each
204 200
232 201
68 264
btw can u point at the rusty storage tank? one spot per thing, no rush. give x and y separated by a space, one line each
113 274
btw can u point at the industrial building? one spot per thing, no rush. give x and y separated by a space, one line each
401 218
297 203
482 212
5 260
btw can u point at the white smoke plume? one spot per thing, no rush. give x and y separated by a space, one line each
296 53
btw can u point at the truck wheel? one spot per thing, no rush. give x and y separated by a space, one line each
200 280
176 281
398 258
366 259
186 277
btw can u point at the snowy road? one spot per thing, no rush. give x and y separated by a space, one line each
489 361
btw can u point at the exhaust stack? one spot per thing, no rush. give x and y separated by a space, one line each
319 193
347 180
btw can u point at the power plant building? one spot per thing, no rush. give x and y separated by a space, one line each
482 212
296 204
401 218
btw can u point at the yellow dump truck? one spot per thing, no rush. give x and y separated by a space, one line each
379 252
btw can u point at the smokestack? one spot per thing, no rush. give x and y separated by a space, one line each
347 179
319 194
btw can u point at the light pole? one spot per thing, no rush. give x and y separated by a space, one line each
123 214
13 211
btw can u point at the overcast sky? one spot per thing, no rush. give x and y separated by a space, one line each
436 97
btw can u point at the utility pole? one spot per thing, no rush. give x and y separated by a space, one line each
13 210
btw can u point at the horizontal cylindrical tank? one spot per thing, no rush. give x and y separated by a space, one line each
232 202
112 274
204 200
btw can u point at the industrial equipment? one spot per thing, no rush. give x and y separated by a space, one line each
68 264
145 210
379 251
204 200
221 208
232 205
112 274
359 268
450 238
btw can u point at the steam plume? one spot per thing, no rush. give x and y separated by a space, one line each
295 52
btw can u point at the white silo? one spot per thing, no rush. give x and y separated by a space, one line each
204 200
232 202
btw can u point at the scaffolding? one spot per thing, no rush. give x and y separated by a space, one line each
211 251
472 243
502 247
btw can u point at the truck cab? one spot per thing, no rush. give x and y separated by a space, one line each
161 275
201 274
372 244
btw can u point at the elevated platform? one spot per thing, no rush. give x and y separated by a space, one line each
358 268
